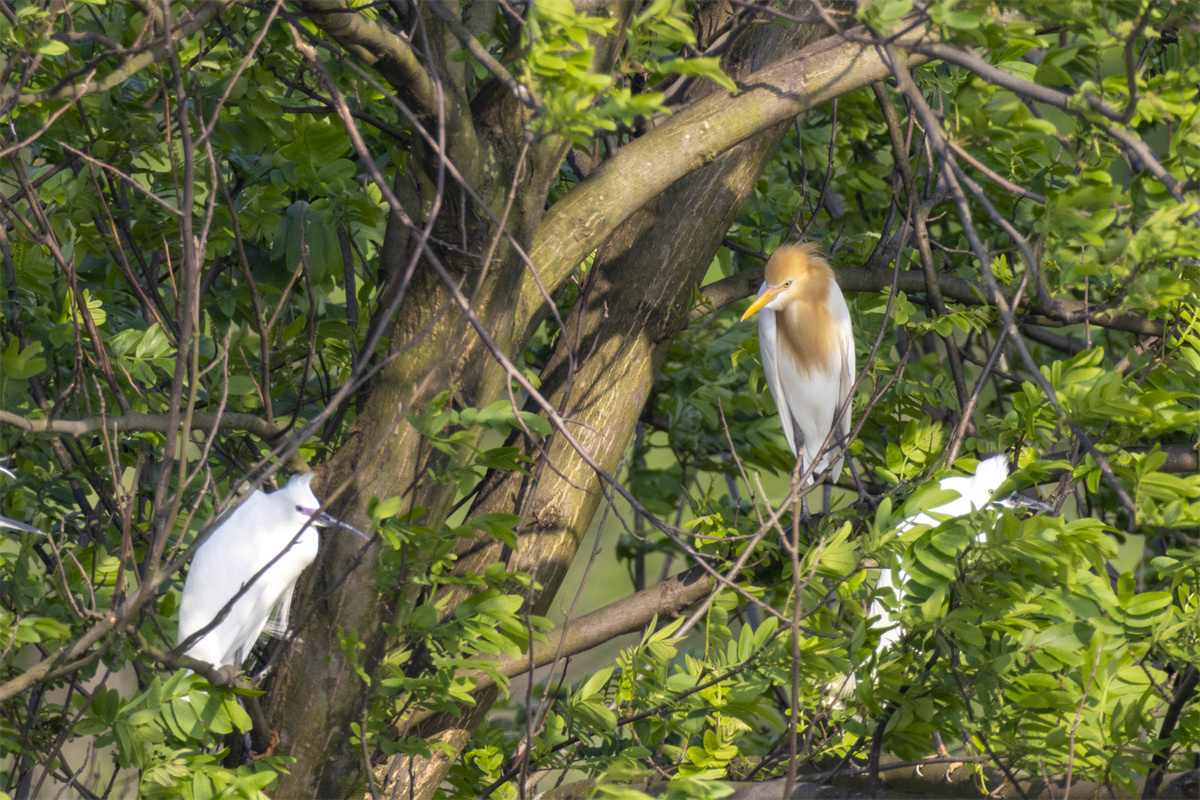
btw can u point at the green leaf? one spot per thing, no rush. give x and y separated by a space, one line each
386 509
23 364
50 47
497 525
1147 603
709 68
595 683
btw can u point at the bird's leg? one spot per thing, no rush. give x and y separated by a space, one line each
863 496
804 513
942 752
262 738
270 751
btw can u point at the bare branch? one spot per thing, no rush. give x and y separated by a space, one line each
131 65
627 615
866 279
134 421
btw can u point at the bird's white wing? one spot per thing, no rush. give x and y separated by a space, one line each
222 565
214 577
847 368
281 614
768 348
252 628
845 339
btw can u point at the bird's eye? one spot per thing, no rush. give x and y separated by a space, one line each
786 284
299 509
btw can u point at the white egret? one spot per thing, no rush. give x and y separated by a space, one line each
974 492
279 527
807 347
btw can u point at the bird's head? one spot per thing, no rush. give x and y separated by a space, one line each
993 472
989 475
298 493
794 272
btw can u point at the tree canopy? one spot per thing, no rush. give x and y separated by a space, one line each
480 264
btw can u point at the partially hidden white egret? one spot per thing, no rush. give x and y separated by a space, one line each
265 526
974 492
807 346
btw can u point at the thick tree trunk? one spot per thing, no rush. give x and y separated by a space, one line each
620 332
316 694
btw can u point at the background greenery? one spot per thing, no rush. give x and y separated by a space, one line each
481 265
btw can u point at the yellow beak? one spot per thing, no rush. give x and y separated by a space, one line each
763 299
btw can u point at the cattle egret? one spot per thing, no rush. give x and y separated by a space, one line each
278 527
974 492
807 346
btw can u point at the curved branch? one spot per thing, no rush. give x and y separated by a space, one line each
628 615
640 171
867 279
974 63
159 423
375 45
1185 690
394 59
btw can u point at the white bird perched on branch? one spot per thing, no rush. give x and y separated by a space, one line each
974 492
807 347
273 534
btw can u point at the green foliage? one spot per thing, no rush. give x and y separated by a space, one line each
163 732
1035 637
1025 619
577 101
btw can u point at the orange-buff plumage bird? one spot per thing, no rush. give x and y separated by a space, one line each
807 347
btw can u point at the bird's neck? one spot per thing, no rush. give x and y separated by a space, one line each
807 333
